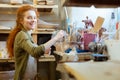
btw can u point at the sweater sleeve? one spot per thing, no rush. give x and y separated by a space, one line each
27 45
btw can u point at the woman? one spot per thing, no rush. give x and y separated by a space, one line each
20 43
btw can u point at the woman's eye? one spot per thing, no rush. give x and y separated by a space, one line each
35 18
31 17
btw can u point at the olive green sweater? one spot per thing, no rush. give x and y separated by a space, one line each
23 47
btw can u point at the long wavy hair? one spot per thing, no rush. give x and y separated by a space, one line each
18 27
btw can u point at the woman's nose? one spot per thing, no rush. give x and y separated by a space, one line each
34 20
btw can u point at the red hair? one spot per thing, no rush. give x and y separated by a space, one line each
18 27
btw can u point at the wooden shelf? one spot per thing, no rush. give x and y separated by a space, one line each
4 31
37 6
6 60
42 33
46 58
41 59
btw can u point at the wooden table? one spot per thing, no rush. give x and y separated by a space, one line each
46 68
109 70
6 64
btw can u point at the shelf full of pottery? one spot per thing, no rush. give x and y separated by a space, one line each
18 3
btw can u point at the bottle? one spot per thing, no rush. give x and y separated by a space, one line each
112 26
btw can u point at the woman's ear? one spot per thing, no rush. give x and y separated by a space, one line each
21 21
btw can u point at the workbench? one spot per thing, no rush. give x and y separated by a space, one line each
108 70
46 67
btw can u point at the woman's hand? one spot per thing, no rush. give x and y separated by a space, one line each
60 35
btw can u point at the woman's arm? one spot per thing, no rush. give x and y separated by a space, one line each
52 41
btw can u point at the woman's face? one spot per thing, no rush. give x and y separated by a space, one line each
29 21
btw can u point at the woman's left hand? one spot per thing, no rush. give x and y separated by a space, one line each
60 35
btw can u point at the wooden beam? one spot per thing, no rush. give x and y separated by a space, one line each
97 3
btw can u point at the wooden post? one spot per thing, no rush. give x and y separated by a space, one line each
34 2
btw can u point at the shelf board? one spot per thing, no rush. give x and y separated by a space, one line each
6 60
5 31
46 58
45 32
36 6
2 31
